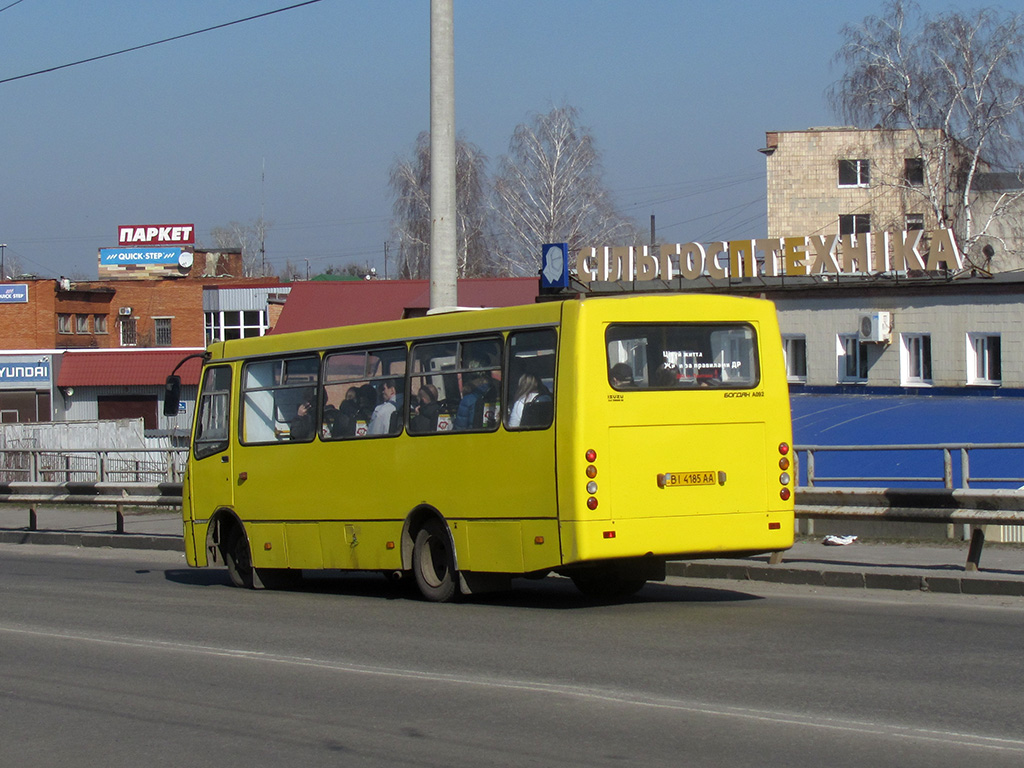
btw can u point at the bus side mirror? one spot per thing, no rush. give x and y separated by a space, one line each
172 395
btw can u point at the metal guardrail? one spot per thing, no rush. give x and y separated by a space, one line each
162 487
117 465
116 495
955 464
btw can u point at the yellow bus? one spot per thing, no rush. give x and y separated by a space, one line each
595 438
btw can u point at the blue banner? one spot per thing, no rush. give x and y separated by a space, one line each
114 256
14 294
24 372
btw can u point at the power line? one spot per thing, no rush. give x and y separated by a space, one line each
10 5
157 42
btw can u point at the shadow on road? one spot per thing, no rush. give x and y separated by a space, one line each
551 593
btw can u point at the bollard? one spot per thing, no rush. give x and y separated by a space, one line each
974 552
120 518
33 519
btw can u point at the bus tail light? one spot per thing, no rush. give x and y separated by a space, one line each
784 477
591 472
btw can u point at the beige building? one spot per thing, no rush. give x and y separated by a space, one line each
842 180
845 181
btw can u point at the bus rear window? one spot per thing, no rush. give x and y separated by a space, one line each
682 355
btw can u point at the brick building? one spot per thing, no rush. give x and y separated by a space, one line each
178 309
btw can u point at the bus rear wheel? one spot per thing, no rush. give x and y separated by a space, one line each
433 563
237 558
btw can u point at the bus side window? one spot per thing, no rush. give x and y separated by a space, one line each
479 405
456 386
359 383
434 390
279 400
214 409
530 401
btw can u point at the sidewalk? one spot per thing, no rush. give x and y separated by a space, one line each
930 567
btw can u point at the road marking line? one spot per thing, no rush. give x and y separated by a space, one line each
861 727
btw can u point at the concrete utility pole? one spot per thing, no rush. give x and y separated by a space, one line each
443 267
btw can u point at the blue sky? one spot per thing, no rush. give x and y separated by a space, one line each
326 97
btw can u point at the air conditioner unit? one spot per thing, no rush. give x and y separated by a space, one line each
876 327
124 311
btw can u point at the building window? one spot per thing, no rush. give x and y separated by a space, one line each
913 171
99 323
162 331
129 337
984 359
916 358
915 221
225 325
63 323
854 173
854 223
852 357
81 323
794 348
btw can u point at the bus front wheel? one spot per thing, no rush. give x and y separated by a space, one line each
237 558
433 563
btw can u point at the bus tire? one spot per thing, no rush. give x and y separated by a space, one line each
433 563
607 585
237 558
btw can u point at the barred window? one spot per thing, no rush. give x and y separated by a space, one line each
162 331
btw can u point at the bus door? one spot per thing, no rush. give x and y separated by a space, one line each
210 471
687 433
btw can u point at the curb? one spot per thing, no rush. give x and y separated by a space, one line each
778 574
110 540
963 585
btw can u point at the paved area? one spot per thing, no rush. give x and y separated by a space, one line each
863 564
876 565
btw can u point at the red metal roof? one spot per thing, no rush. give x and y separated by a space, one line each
125 367
328 304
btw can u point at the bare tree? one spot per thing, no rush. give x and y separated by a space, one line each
954 80
250 239
410 183
549 189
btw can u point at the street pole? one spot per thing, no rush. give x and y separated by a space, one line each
443 271
3 266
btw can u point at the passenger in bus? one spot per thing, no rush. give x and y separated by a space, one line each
330 423
477 389
381 422
528 391
426 410
366 402
347 415
666 375
301 427
620 375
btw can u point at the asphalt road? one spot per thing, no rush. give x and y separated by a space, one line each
126 658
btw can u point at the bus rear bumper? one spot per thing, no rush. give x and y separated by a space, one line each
678 538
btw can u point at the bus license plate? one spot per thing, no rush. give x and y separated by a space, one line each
680 479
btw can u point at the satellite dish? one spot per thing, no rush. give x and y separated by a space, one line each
185 259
